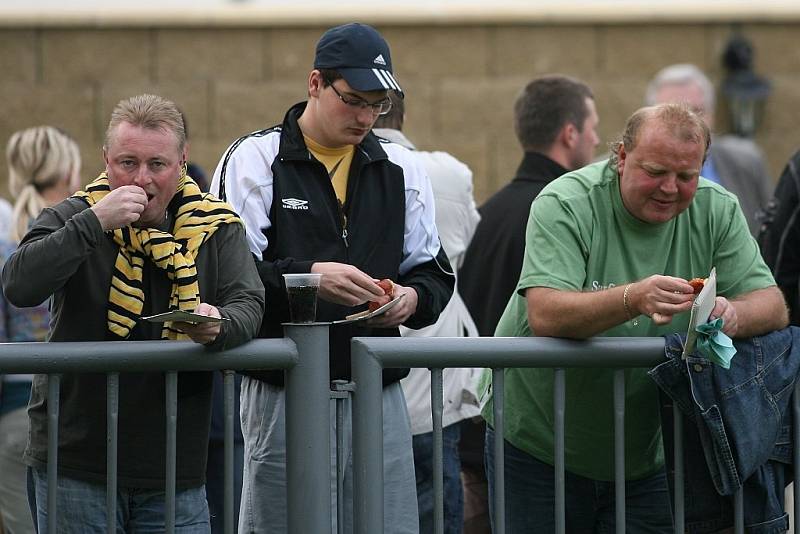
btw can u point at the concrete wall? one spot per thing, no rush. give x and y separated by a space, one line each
460 78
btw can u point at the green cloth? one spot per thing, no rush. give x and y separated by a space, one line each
713 344
580 237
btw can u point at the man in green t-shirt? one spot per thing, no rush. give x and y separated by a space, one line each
609 250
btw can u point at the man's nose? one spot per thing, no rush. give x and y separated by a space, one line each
670 184
366 115
142 176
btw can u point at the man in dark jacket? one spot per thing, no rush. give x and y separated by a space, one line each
139 240
555 121
321 194
780 236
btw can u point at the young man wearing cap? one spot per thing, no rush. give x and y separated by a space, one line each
320 193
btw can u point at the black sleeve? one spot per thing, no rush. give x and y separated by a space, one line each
240 294
779 237
433 281
59 241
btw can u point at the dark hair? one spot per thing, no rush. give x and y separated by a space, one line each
682 122
394 119
329 76
545 105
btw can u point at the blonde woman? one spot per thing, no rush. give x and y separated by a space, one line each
43 169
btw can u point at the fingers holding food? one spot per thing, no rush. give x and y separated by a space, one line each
388 289
697 284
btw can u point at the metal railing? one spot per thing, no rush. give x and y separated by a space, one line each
371 355
304 356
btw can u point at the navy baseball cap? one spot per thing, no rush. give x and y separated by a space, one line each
360 55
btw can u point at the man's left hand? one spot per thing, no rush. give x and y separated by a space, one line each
400 312
203 333
727 311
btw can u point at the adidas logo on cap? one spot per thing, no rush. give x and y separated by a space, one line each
379 60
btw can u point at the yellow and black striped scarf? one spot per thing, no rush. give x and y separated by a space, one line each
198 216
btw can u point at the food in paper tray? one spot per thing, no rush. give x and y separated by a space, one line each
697 284
388 288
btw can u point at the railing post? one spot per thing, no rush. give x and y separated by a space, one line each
308 439
53 403
437 394
498 394
112 424
367 442
340 391
679 513
619 449
172 449
559 401
229 402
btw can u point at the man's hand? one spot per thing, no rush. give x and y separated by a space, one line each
203 333
121 207
727 311
344 284
660 297
400 312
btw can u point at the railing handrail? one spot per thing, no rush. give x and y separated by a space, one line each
516 351
143 356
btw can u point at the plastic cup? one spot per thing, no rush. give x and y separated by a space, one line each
302 290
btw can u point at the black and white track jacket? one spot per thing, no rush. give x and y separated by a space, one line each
385 228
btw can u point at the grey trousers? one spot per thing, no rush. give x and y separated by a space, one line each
263 508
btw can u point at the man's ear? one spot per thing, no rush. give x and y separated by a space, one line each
621 159
315 84
105 156
569 135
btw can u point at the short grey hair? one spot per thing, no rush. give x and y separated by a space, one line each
151 112
681 74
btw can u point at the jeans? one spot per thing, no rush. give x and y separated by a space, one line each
453 492
530 499
81 508
215 483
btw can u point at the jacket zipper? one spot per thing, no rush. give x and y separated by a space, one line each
343 219
341 206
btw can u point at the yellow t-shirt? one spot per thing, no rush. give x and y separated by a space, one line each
337 161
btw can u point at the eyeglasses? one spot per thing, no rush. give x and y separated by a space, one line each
378 108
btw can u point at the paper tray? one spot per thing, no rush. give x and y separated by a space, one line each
186 317
701 310
366 314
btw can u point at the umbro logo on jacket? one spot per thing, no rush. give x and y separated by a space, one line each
294 204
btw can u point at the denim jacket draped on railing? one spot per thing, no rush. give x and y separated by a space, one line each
737 431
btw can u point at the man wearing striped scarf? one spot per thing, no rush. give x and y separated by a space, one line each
140 239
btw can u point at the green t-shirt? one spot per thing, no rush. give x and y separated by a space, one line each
580 237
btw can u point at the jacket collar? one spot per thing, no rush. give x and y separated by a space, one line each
395 136
537 167
293 147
